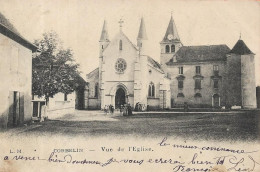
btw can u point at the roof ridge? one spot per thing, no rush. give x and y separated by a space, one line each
6 23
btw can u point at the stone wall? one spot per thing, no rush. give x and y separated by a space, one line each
207 85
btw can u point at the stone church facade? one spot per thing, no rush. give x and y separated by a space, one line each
201 76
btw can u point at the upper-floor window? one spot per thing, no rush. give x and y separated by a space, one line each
215 83
197 84
180 83
120 45
181 70
151 90
167 48
173 48
215 67
197 69
96 90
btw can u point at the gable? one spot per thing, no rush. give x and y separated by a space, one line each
119 48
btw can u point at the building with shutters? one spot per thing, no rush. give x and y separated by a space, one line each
201 76
16 75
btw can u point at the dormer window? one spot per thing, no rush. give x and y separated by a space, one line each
120 45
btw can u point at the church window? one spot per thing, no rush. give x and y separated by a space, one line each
197 70
167 49
197 84
120 65
96 90
120 45
180 83
173 48
181 70
151 90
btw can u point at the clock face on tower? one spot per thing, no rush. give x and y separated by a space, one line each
170 37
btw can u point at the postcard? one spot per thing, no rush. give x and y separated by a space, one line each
119 85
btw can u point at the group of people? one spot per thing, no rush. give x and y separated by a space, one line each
126 110
139 107
109 109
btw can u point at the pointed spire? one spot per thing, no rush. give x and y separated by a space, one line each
121 21
104 33
171 30
142 31
241 48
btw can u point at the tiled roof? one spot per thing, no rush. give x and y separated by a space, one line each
93 72
200 54
4 21
154 63
241 48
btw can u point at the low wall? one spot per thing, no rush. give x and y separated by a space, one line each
59 112
93 103
153 103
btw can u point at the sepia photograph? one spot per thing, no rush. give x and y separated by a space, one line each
130 85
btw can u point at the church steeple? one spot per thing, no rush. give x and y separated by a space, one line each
171 42
104 33
142 38
171 32
142 30
104 40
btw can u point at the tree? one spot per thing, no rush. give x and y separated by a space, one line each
53 68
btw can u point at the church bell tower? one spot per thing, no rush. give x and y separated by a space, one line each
142 39
170 44
103 43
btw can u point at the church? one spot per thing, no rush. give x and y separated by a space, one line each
200 76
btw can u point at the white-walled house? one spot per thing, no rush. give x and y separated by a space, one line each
60 103
16 76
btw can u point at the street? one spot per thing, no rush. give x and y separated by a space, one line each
226 126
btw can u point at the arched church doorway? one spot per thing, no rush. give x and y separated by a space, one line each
216 100
120 98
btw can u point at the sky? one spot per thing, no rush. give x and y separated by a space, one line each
79 23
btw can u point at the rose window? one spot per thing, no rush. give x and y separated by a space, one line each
120 65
